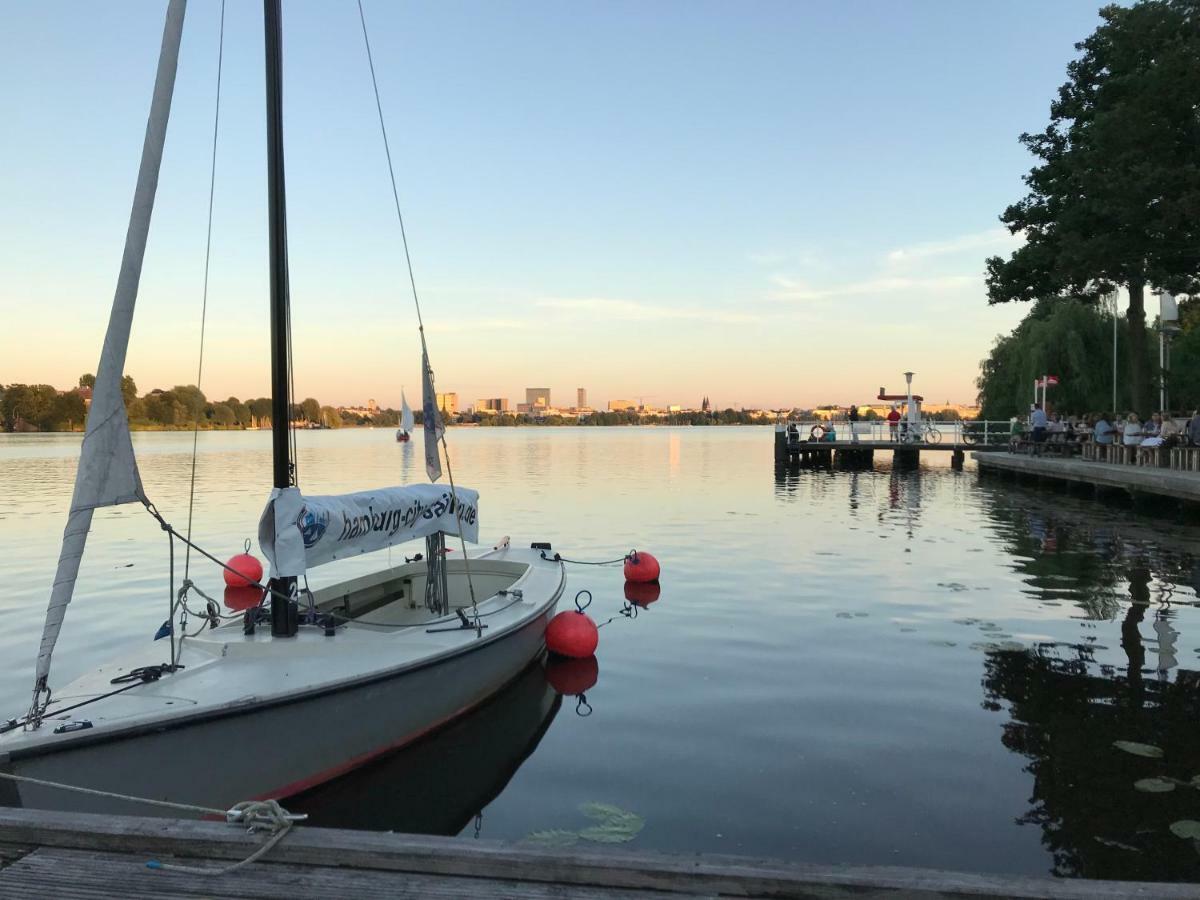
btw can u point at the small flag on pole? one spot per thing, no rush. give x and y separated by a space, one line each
433 419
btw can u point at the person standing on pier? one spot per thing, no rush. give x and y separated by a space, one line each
1037 422
893 418
852 415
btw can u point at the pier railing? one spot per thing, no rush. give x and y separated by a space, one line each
970 433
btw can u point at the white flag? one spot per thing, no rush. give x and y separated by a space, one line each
433 420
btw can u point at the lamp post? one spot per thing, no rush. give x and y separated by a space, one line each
908 378
1112 298
1168 316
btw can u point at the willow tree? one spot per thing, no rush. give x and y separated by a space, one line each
1114 200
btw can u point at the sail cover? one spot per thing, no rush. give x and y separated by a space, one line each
107 473
297 533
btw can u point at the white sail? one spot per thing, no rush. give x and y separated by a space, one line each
108 473
298 533
406 415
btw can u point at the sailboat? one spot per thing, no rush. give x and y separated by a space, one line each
404 432
303 685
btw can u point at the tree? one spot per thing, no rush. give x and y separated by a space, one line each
128 390
87 381
221 415
260 409
330 417
241 412
67 412
192 400
1114 198
1067 338
310 410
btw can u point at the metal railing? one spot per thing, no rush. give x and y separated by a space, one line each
967 433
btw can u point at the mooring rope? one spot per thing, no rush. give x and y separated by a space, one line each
256 815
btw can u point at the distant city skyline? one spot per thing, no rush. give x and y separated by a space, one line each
772 205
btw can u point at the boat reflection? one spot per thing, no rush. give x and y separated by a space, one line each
441 784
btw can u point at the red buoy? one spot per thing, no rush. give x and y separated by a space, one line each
641 567
243 598
572 633
572 676
246 570
642 594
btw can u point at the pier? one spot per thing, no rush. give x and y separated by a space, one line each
74 855
869 438
1096 476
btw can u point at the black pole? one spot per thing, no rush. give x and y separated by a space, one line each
283 615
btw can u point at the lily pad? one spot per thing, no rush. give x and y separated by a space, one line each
1154 785
613 824
555 837
614 831
1147 750
1186 828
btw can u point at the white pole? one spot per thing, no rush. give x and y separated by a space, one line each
1114 315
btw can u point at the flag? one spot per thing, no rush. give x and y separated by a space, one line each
433 420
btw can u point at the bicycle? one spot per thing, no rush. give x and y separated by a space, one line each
922 432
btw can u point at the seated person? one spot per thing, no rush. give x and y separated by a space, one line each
1131 433
1102 430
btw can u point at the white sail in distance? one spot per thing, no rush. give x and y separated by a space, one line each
406 413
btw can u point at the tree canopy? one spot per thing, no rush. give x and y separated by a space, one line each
1114 200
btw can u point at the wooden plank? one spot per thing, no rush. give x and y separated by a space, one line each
10 853
85 875
725 875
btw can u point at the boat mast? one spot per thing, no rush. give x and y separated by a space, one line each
283 615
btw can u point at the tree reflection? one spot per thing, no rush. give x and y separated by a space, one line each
1065 711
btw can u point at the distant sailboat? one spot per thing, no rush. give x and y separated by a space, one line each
404 432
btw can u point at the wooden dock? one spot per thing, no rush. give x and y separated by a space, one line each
859 454
1097 476
72 856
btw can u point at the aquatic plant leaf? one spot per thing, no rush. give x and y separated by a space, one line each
602 811
1147 750
614 831
614 825
1186 828
555 837
1154 785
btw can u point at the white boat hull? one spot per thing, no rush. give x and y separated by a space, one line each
276 743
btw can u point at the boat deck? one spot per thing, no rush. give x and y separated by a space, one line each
73 855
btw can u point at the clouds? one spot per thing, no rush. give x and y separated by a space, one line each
978 244
611 309
788 289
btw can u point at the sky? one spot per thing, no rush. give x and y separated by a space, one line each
772 203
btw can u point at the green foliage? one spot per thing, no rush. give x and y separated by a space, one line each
1113 199
129 391
221 415
1067 338
310 410
87 381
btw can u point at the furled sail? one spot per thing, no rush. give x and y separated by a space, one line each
406 415
107 473
432 417
297 533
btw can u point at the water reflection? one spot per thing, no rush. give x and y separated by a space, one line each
442 784
1065 713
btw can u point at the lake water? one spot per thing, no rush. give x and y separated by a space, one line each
918 667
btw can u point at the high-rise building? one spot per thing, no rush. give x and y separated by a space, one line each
537 397
490 405
581 398
448 403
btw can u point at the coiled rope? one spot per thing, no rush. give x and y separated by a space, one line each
256 815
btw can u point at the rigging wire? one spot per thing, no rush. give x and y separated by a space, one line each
212 184
428 373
